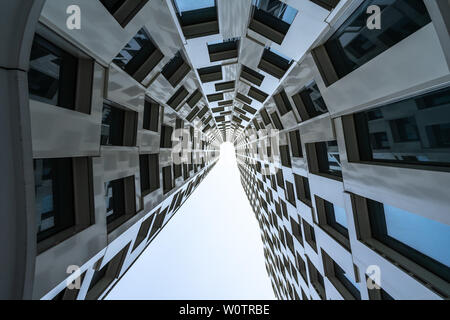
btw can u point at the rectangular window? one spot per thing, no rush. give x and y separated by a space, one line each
421 240
309 102
59 78
149 169
120 201
276 120
151 116
274 63
323 158
310 235
285 156
177 172
416 132
143 231
296 230
139 57
272 19
354 44
316 280
210 74
158 224
225 50
296 144
105 276
63 199
52 75
333 220
343 282
197 18
251 75
119 126
166 136
290 193
176 69
265 116
167 179
280 178
303 190
301 266
347 281
54 196
282 102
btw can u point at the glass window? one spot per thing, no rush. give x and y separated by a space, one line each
192 13
404 130
302 188
167 179
151 116
379 140
166 136
412 131
52 75
280 55
296 144
54 192
189 5
336 218
422 240
220 46
313 101
354 44
112 126
347 281
277 9
134 54
114 199
439 135
328 158
144 173
172 66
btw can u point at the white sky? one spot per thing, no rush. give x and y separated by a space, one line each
210 249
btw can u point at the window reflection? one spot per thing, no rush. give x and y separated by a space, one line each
134 54
328 158
112 126
54 203
52 74
114 199
313 101
412 131
277 9
354 44
422 240
336 218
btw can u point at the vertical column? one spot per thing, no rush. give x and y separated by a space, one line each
18 20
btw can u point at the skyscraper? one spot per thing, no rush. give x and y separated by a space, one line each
339 112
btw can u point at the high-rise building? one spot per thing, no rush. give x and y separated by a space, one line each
113 112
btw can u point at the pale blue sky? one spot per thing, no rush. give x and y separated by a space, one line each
210 249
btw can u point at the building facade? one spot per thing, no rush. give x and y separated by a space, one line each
339 113
351 191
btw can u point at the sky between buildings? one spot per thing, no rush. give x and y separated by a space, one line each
210 249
